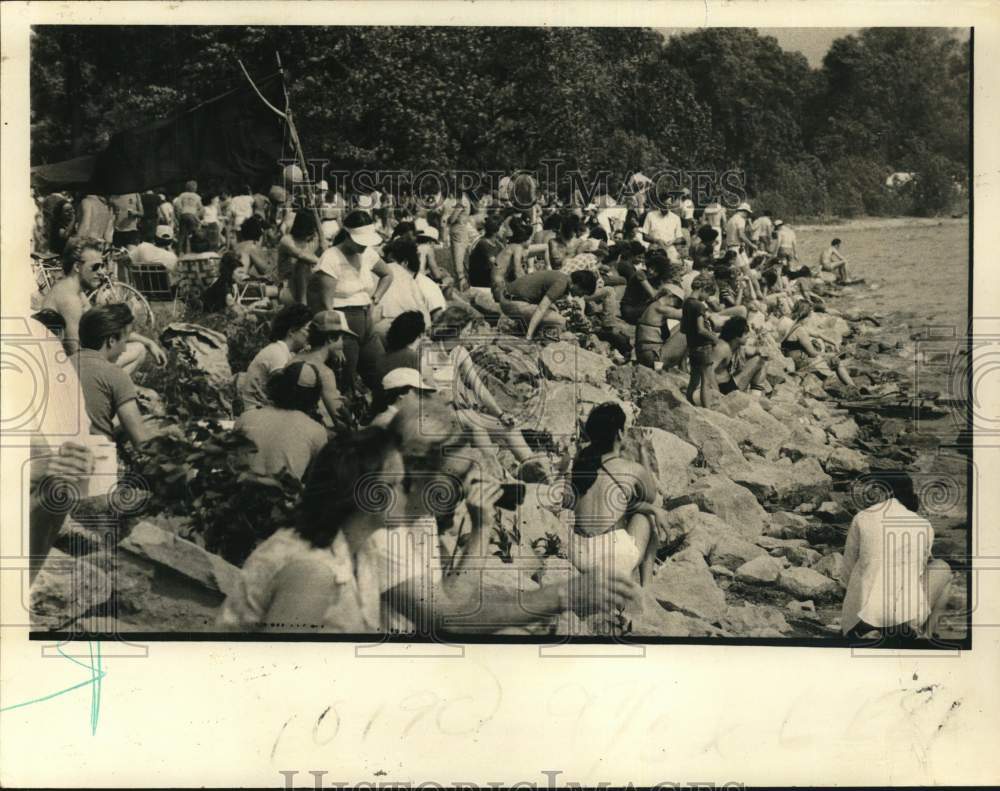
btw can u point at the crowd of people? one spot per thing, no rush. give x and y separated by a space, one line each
373 303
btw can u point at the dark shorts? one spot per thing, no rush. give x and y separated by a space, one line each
728 387
700 356
126 238
648 353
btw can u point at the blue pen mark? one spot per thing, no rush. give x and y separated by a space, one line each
97 673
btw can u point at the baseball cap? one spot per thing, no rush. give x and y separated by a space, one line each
164 232
744 207
405 377
332 321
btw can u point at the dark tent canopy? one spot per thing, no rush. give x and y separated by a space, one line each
234 138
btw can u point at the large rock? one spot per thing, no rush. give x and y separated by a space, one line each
784 485
685 584
832 512
66 588
733 552
634 380
186 558
764 433
828 325
806 583
669 457
832 566
845 462
786 524
701 530
753 621
707 430
565 362
650 618
762 570
565 405
733 503
845 430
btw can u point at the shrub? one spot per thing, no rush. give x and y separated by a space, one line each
199 471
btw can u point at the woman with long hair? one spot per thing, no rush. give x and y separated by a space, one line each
323 574
615 518
342 281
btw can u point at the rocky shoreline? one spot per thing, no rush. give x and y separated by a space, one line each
760 494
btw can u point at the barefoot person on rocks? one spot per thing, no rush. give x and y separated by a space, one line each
733 370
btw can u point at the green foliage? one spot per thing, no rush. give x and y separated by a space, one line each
199 471
620 99
185 389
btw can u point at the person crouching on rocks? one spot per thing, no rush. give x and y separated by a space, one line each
733 369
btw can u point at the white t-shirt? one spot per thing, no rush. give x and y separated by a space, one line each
661 227
431 293
353 285
403 295
687 209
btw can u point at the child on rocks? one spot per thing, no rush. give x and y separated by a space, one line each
700 341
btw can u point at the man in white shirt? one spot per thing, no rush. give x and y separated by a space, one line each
662 227
159 253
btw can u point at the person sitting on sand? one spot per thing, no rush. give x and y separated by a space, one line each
696 328
733 369
894 585
615 519
832 261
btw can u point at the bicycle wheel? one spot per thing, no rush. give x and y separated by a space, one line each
118 292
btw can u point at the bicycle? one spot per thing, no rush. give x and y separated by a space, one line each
112 290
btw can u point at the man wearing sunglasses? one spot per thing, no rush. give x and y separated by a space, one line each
82 266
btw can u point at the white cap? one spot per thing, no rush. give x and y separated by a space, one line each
744 207
323 185
365 202
405 377
164 232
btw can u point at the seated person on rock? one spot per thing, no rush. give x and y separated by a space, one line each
733 369
530 298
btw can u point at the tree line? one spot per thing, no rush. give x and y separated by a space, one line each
810 141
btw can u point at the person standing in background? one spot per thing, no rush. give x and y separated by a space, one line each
97 219
188 209
128 211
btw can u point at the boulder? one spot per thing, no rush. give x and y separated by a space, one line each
685 584
650 618
832 512
733 503
722 571
769 542
565 362
832 566
701 530
845 462
827 324
845 430
565 405
764 433
186 558
806 583
66 588
782 484
634 380
669 457
732 552
707 430
762 570
751 620
799 556
804 608
790 525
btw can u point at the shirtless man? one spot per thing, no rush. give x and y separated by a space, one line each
832 261
729 374
82 262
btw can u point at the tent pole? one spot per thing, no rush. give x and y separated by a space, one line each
297 144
